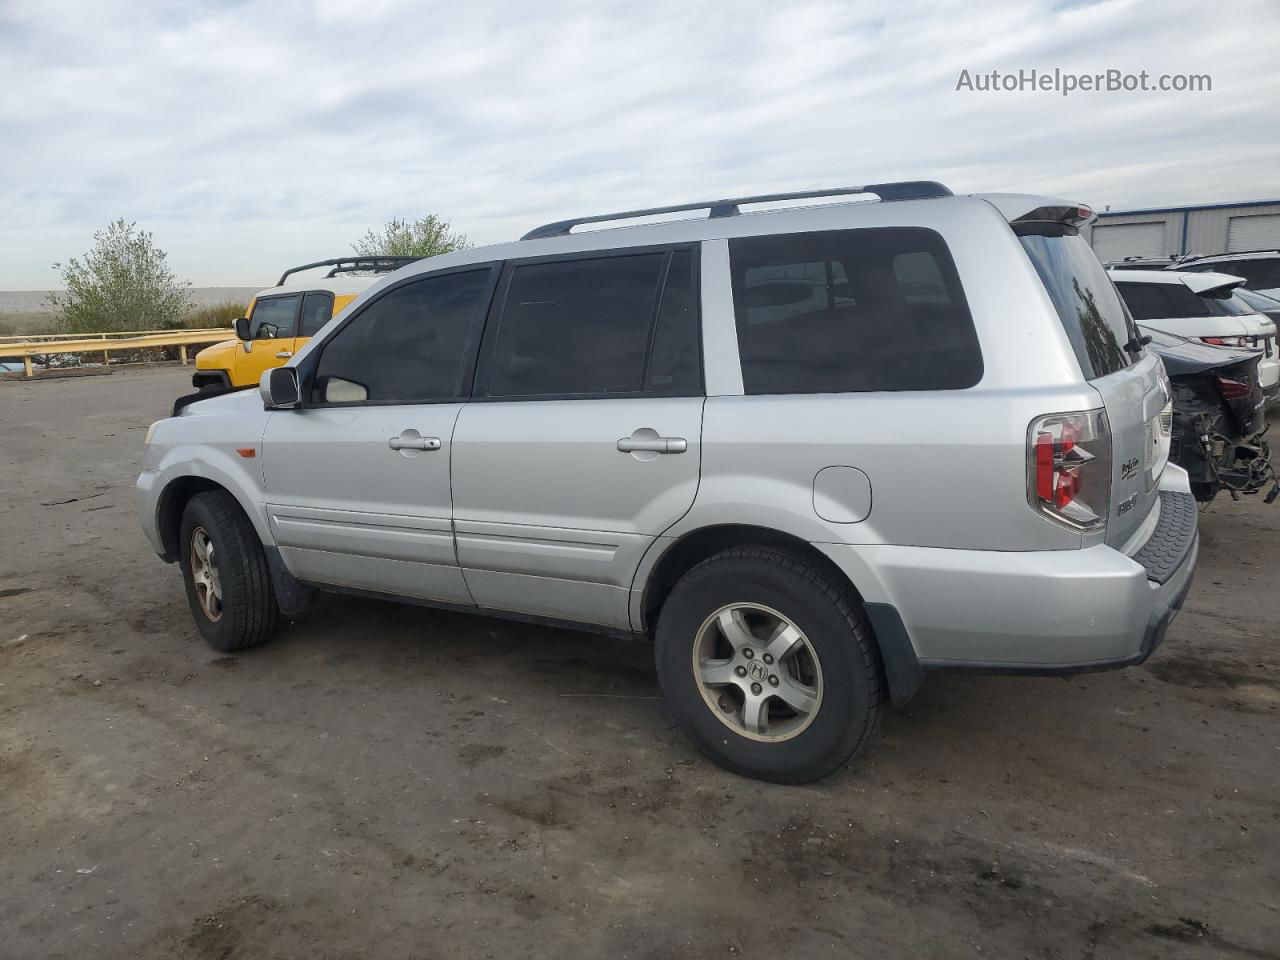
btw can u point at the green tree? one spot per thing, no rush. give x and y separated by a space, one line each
122 283
427 237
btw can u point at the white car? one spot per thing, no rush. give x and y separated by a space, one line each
1202 306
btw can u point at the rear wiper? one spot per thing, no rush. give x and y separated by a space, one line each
1136 344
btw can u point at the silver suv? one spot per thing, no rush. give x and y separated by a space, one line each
814 453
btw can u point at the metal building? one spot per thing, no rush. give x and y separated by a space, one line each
1203 230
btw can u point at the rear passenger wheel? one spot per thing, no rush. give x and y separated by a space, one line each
225 570
769 665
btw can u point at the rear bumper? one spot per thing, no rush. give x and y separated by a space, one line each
1039 612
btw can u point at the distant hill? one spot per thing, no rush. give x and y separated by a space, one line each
33 301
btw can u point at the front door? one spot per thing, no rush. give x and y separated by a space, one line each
583 442
272 322
358 480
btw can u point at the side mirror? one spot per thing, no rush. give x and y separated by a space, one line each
279 389
242 328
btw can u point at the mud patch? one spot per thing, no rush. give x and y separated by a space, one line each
229 934
473 754
1211 674
13 592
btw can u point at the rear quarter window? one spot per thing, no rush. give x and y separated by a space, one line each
851 311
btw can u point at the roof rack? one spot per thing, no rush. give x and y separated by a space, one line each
904 190
1232 253
351 265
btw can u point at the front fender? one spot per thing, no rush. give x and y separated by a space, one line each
224 466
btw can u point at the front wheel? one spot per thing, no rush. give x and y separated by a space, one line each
225 570
769 665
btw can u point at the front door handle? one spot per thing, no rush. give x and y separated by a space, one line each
283 355
642 442
412 440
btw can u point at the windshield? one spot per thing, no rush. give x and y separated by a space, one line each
1095 318
1259 301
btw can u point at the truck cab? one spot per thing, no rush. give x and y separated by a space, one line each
281 319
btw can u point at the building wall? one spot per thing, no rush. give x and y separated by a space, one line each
1205 227
1207 233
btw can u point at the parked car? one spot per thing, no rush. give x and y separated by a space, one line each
280 319
1261 303
1203 306
1218 416
1259 268
1142 263
955 459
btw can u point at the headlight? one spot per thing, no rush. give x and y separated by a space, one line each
151 432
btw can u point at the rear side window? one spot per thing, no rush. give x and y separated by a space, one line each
1094 316
273 317
851 311
598 327
317 308
408 346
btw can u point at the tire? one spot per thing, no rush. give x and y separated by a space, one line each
841 663
246 614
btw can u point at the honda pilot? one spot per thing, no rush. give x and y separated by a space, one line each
814 453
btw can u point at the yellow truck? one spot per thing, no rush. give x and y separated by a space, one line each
282 318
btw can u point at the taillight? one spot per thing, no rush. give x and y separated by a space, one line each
1069 468
1234 389
1231 341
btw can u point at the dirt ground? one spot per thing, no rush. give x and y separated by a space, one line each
390 781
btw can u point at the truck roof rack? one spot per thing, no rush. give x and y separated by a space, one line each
903 190
351 265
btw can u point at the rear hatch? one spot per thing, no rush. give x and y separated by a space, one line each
1130 381
1215 374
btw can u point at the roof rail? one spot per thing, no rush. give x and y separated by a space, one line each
351 265
904 190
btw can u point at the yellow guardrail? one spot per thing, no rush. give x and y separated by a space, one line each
45 344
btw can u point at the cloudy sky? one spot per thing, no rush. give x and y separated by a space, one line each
249 135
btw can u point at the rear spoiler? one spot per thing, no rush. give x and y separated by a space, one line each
1028 208
1212 284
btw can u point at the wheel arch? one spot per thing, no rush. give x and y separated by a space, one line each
173 500
900 668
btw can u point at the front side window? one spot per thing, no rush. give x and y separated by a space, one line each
273 317
598 327
317 308
408 346
851 311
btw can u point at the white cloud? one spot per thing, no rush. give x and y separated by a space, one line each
251 135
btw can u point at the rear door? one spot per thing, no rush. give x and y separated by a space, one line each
1130 381
582 442
358 480
317 309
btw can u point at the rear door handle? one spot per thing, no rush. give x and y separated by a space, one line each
283 355
634 444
